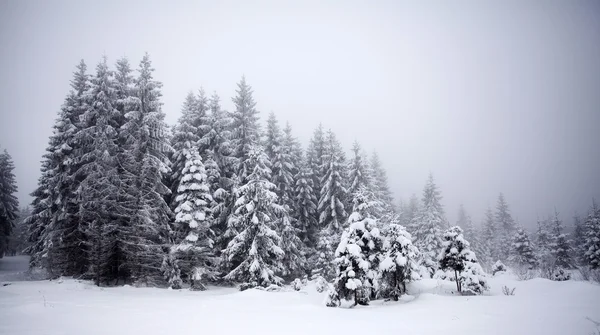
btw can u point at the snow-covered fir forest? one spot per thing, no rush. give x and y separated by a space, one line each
224 198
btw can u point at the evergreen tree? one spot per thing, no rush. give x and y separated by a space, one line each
399 265
561 249
489 235
193 220
410 215
457 256
430 222
315 155
522 254
99 187
293 261
254 253
543 246
380 182
358 171
55 202
9 205
306 207
592 237
333 193
506 227
578 240
356 257
147 233
281 162
245 128
465 223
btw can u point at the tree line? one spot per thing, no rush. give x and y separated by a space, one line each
123 198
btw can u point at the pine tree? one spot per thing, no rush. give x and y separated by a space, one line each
489 235
219 167
315 160
245 128
193 220
578 240
147 233
254 253
306 207
100 183
9 205
561 249
457 256
293 261
465 223
522 254
380 182
430 222
400 262
358 171
506 227
410 215
55 203
356 257
543 247
333 193
592 237
281 162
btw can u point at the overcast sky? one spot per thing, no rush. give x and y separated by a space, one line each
494 97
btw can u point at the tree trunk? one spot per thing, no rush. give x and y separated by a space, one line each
457 282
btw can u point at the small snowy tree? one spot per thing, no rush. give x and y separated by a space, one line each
430 220
506 227
9 205
399 265
522 254
357 255
254 252
561 248
592 237
457 256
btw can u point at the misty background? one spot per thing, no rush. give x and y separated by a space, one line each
489 97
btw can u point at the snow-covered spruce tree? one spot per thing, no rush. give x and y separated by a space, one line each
18 240
522 254
315 154
9 205
333 193
145 164
294 149
400 262
254 254
481 248
185 139
54 202
219 165
245 129
293 263
543 247
358 171
100 180
490 236
561 246
280 158
465 223
305 207
592 237
578 240
410 214
505 225
357 255
457 256
430 222
193 222
380 182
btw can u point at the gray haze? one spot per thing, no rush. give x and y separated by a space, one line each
487 97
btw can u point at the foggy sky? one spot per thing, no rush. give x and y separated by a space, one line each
494 97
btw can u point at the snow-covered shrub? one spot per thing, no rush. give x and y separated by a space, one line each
498 267
246 286
321 284
399 264
589 274
560 274
171 272
472 279
508 291
332 299
444 275
197 278
297 284
524 273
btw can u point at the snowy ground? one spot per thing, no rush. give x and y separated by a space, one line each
69 307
